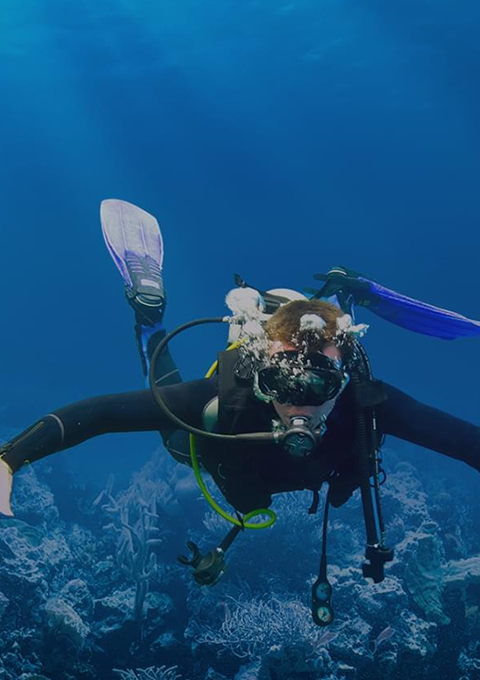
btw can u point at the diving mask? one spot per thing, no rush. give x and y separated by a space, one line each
301 380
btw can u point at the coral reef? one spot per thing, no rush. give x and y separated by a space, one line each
135 521
80 598
152 673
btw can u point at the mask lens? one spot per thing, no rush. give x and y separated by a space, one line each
306 381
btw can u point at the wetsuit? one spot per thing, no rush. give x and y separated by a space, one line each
249 474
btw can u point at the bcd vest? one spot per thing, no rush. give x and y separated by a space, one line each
240 411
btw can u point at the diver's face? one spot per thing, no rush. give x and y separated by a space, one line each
314 414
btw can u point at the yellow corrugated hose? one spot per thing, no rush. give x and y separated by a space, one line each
196 469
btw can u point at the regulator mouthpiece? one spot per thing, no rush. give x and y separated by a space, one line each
299 440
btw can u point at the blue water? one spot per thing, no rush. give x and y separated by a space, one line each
274 139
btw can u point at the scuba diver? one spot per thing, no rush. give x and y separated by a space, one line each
290 405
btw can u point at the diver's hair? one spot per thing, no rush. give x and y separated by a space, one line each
284 324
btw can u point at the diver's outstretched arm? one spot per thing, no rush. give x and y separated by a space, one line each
68 427
126 412
406 418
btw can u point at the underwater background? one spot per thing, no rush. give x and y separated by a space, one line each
274 139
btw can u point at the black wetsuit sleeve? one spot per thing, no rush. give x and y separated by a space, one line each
408 419
127 412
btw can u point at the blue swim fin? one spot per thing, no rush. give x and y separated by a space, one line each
352 288
135 243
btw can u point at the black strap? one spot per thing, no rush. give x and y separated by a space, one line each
314 506
323 558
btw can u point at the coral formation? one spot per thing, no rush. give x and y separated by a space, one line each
98 599
152 673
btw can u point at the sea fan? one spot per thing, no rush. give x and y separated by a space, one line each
152 673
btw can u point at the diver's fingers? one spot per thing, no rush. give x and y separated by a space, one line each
5 489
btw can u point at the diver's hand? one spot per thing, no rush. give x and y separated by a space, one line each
5 489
